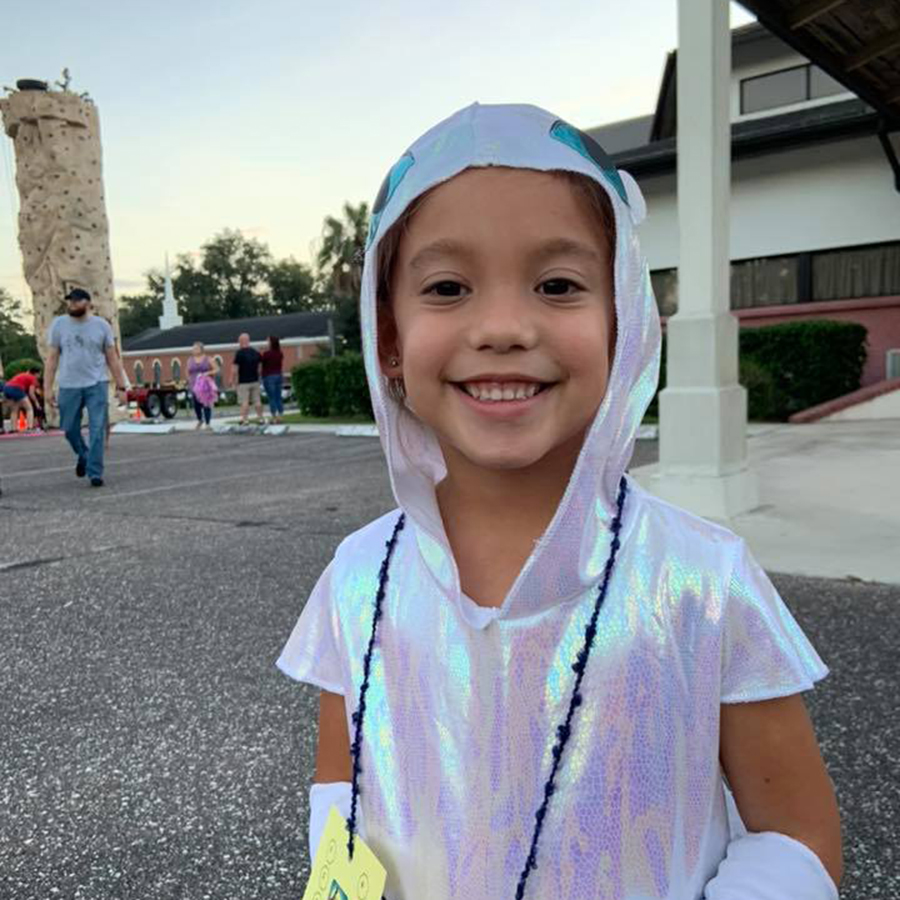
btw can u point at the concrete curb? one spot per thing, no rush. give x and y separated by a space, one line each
232 426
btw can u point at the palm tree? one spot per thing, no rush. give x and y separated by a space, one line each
340 258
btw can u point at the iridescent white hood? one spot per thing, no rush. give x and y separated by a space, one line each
570 556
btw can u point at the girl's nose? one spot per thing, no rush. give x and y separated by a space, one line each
503 321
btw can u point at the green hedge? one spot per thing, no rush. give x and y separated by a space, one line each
789 368
20 365
332 386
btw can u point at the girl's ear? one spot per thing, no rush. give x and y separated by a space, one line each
389 355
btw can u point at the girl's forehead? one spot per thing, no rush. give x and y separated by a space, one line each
496 204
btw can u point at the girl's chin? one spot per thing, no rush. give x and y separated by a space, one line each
500 458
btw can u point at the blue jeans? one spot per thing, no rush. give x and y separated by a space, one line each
71 403
272 386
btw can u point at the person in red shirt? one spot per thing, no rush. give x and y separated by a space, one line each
272 378
21 391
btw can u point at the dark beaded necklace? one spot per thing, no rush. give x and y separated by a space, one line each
563 731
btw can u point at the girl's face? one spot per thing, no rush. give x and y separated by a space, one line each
198 349
503 317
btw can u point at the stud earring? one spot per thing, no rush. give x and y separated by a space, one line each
394 361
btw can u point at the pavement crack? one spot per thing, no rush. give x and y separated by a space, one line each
31 563
50 560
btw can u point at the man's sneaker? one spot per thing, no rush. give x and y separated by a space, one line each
81 468
96 482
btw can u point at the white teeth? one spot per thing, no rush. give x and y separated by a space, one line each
493 392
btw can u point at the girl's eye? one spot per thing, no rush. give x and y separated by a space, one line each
451 290
559 287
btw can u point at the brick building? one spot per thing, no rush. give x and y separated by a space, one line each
160 355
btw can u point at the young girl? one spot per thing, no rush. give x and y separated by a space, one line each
535 676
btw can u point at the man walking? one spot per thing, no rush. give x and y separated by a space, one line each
83 346
245 370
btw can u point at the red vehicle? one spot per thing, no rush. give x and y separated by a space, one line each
156 401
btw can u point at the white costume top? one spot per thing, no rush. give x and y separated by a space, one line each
463 703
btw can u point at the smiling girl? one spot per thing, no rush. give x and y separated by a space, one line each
536 677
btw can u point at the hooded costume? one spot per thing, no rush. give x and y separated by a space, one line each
463 701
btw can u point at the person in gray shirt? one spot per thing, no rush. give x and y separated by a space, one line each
82 346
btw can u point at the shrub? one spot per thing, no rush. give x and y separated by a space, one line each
310 387
762 404
791 367
20 365
810 362
348 390
332 386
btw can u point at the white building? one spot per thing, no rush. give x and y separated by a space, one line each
815 204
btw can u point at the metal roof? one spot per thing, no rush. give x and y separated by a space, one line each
857 42
226 331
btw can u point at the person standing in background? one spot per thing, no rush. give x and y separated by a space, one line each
272 378
245 375
83 347
202 372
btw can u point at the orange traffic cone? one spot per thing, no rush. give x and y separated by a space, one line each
23 421
137 414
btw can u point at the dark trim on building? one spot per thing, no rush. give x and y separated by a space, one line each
769 134
890 153
665 117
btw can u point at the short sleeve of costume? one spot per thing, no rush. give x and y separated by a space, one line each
109 339
311 652
53 334
765 654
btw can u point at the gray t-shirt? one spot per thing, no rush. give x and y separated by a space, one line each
82 349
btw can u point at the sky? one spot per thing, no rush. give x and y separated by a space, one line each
268 116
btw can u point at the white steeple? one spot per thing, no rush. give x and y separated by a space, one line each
170 317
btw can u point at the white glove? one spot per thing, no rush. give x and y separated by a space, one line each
770 866
321 798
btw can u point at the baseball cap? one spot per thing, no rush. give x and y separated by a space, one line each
78 294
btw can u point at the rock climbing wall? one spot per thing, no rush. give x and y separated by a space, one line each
63 229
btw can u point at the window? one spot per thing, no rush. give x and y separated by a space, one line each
843 274
770 281
221 365
856 272
157 372
176 370
795 85
138 372
821 84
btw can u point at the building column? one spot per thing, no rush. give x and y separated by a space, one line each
703 410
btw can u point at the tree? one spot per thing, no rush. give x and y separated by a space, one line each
15 341
340 259
292 288
340 262
238 269
138 312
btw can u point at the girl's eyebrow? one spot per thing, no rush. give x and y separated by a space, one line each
559 246
438 248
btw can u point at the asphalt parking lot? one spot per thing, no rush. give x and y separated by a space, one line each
149 748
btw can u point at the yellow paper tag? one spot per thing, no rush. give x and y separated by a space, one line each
334 875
